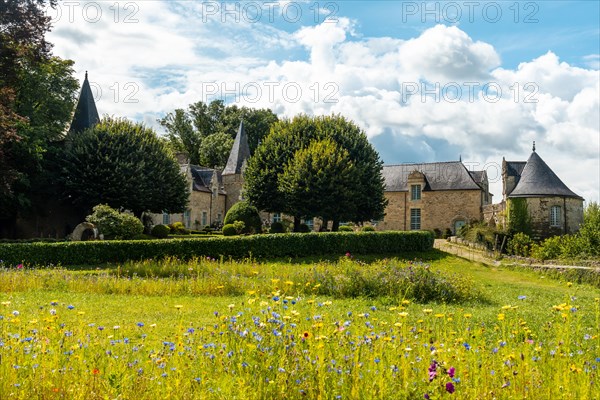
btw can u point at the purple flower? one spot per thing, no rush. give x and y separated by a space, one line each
451 372
450 387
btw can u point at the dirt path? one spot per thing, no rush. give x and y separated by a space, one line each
472 254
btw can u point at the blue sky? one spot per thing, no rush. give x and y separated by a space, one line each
427 81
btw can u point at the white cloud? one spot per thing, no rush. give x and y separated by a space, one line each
175 58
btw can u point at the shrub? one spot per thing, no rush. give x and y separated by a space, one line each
246 213
239 227
303 228
229 230
345 228
277 227
177 228
447 233
160 231
368 229
438 233
519 245
257 246
114 224
549 249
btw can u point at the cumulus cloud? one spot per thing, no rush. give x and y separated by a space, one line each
418 99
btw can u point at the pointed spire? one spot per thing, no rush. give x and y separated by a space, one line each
86 114
240 152
533 146
460 157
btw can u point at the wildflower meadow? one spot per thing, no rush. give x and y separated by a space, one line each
438 328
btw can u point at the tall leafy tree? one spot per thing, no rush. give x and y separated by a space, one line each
125 165
287 157
37 95
316 182
202 130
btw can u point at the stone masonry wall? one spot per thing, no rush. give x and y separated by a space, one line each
439 210
539 211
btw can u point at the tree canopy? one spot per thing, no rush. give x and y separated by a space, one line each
37 95
205 131
124 165
317 167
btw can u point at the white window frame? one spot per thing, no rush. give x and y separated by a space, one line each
555 216
415 192
204 219
187 218
166 218
415 219
276 217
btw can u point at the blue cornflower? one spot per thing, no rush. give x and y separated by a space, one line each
70 306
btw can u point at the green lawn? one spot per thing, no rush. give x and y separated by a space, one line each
297 329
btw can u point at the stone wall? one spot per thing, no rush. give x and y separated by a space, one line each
233 185
539 211
439 209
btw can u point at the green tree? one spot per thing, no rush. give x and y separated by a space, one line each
125 165
246 213
316 182
289 137
37 95
188 130
215 149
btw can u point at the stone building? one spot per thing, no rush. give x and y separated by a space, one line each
441 195
552 207
212 191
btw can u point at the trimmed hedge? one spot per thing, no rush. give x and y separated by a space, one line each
259 246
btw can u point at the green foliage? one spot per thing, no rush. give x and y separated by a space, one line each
519 245
345 228
447 233
549 249
177 228
206 131
260 246
160 231
367 228
518 218
214 150
125 165
248 214
291 164
303 228
113 224
239 227
589 232
277 227
479 232
229 230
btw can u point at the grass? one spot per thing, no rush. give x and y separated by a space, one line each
241 329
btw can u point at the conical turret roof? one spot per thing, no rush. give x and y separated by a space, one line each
240 152
538 180
86 114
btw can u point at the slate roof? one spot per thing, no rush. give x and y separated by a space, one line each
86 114
240 152
452 175
202 178
538 180
515 168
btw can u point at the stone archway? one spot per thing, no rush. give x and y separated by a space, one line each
84 231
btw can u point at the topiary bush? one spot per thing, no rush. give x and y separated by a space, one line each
177 228
248 214
277 227
368 228
345 228
160 231
114 224
303 228
229 230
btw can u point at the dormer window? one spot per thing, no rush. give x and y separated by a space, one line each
415 192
